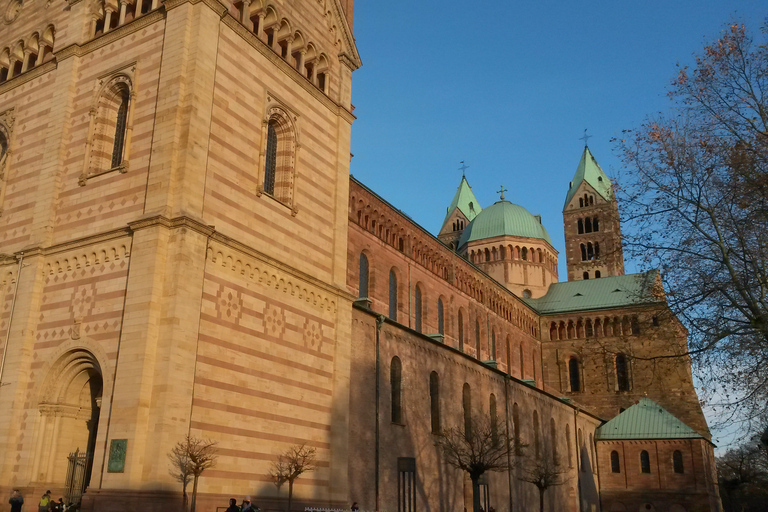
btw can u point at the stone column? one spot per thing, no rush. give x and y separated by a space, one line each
123 8
300 64
259 24
107 19
25 62
245 15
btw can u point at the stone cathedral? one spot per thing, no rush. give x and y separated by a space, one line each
184 252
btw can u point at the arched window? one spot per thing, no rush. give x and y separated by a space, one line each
590 251
494 420
597 274
516 427
493 345
553 435
466 402
645 462
581 226
395 383
588 225
585 275
362 289
393 295
477 337
461 331
677 462
622 375
279 155
595 225
597 250
583 252
440 317
569 445
522 363
615 466
434 401
536 434
573 374
417 308
108 139
524 254
508 349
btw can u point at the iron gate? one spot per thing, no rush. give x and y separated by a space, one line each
75 484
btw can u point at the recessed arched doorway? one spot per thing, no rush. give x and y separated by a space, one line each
70 405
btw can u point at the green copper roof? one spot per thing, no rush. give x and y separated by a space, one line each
504 218
603 293
465 201
589 170
645 420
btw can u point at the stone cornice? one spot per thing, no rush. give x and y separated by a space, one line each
66 246
27 76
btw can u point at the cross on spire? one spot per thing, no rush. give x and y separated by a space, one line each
501 191
585 138
463 168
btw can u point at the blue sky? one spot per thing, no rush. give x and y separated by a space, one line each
509 87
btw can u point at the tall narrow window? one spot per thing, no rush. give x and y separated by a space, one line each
362 289
516 428
120 126
406 484
271 162
615 466
622 375
461 331
581 226
440 317
395 383
677 462
434 401
573 374
466 402
393 295
553 435
522 364
417 308
645 462
536 434
569 446
508 350
494 420
493 345
477 337
583 252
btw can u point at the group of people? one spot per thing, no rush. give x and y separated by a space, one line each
46 503
245 506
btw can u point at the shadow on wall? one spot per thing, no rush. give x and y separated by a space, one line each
589 495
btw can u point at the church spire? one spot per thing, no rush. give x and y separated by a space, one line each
463 208
589 171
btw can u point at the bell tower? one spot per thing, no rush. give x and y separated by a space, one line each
592 228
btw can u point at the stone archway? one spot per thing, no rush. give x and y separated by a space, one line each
70 405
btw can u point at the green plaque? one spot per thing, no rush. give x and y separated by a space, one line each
117 449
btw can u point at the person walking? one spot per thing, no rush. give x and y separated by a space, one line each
45 502
233 506
16 501
247 507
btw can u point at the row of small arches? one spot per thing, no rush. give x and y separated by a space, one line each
86 260
26 54
588 225
514 253
109 15
598 328
587 200
590 251
290 43
645 462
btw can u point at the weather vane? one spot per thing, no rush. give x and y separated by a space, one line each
501 191
585 138
463 168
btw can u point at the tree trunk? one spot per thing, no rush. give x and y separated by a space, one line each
476 494
194 494
541 500
185 497
290 494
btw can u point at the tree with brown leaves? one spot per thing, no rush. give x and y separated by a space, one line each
189 458
294 462
694 203
475 449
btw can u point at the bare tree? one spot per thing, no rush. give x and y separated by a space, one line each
543 473
297 460
477 448
190 457
695 204
743 476
181 471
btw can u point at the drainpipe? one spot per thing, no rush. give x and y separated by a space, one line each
379 323
10 318
578 456
409 296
